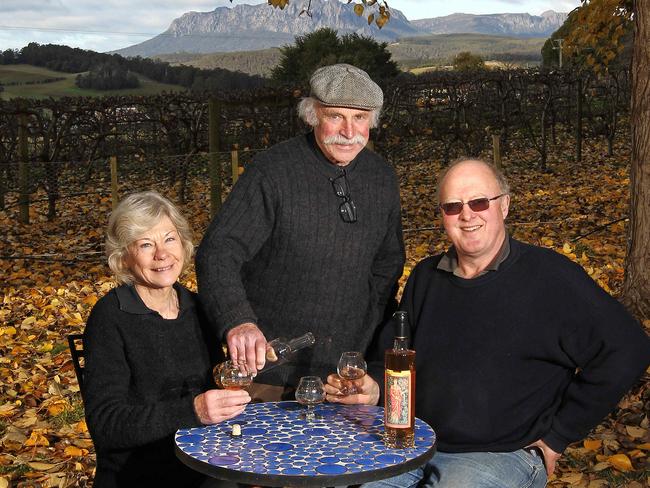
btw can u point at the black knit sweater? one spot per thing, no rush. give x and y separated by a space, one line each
278 253
497 355
141 376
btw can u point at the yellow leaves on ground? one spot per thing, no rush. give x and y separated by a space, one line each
57 407
9 331
73 451
7 410
620 462
37 438
636 432
81 427
572 478
593 444
27 322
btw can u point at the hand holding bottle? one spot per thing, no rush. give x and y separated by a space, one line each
276 353
367 391
247 347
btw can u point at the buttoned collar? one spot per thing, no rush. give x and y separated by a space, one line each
449 261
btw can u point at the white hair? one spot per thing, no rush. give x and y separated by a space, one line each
307 112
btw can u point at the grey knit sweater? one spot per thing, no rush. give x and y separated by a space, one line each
278 254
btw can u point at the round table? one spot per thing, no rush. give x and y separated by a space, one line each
279 447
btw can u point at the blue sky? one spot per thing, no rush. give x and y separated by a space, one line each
104 25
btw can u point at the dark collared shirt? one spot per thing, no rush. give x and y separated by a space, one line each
449 262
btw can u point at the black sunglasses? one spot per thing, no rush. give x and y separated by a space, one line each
347 209
477 205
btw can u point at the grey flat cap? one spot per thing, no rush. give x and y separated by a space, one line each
344 85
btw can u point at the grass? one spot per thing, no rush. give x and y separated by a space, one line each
66 87
58 348
70 415
18 470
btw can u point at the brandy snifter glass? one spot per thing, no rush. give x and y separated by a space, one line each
351 367
310 392
229 376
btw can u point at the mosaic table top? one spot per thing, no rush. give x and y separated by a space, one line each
279 447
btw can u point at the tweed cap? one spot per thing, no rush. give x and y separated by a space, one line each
344 85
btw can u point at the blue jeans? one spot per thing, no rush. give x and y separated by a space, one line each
518 469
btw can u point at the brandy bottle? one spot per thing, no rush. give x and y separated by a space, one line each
399 388
278 351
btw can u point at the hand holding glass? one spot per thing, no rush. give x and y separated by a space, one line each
351 367
228 375
310 392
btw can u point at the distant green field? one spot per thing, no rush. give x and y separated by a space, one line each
421 53
66 87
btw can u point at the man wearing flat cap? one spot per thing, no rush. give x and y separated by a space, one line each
309 239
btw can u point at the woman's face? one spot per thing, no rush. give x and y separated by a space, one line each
156 257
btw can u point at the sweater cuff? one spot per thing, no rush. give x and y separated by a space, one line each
237 316
556 441
186 416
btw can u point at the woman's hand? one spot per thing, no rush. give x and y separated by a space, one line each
367 387
214 406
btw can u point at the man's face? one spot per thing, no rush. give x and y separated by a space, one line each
342 133
477 236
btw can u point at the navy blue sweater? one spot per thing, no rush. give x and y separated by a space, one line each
534 350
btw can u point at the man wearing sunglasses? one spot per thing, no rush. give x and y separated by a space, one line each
519 351
309 239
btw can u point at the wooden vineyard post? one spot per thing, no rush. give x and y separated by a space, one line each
579 121
496 150
115 198
215 168
234 162
23 171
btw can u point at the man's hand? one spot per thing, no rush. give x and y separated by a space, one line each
247 347
550 456
214 406
367 387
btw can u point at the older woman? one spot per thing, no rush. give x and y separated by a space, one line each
147 367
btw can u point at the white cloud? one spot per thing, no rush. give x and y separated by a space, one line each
32 6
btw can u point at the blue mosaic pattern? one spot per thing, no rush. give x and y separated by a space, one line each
277 440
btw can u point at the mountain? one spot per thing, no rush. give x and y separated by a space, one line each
250 27
253 27
519 25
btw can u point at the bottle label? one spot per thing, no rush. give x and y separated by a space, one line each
398 402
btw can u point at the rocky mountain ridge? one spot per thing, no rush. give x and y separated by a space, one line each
518 25
252 27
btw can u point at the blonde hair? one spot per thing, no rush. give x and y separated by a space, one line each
134 216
